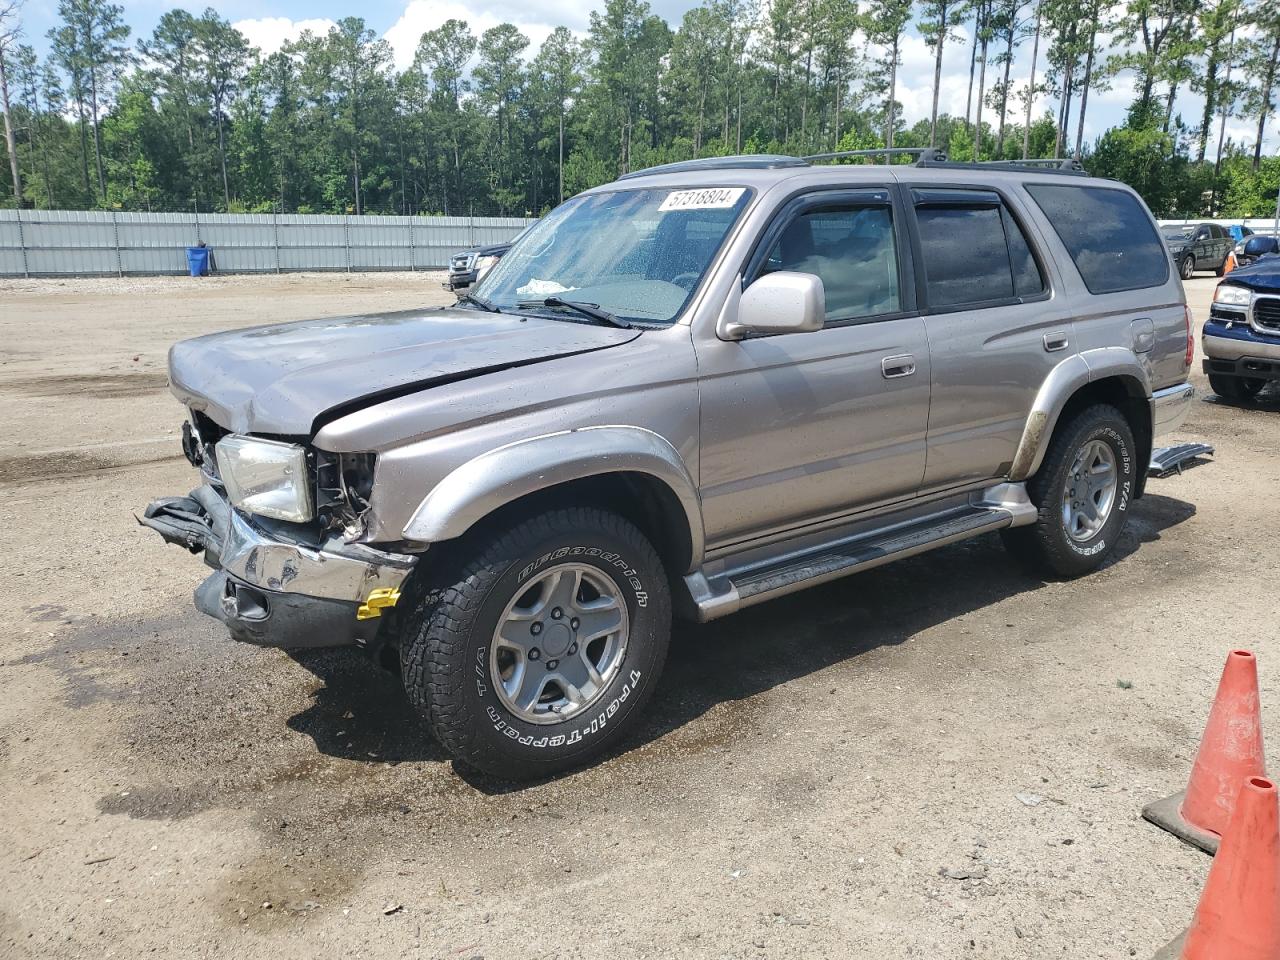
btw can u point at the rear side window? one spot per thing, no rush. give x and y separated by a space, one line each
973 250
1108 235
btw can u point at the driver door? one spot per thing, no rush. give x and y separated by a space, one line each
799 427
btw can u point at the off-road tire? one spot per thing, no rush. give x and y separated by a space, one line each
1187 267
1236 389
445 650
1045 546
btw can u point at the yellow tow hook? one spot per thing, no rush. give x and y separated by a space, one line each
377 601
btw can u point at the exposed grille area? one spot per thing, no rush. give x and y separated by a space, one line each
1227 313
1266 313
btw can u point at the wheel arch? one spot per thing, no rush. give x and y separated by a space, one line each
1113 376
629 470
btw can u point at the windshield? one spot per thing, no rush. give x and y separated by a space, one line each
637 254
1178 233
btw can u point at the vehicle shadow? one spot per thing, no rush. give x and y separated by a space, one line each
360 712
1268 400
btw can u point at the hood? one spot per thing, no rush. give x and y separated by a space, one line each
1262 275
286 378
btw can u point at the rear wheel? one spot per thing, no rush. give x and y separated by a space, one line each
1187 267
538 647
1239 389
1081 493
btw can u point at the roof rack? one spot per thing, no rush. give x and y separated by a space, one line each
923 155
1071 164
757 161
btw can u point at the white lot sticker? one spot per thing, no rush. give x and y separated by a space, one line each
713 198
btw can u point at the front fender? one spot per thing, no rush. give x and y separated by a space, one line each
1062 383
504 475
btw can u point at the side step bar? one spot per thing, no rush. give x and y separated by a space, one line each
1167 460
750 585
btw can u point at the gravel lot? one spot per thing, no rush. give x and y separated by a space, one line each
805 771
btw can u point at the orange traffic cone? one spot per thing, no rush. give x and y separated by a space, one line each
1230 264
1239 913
1230 752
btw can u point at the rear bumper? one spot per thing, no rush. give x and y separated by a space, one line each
270 588
1169 408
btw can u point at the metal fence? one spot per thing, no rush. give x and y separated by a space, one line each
1256 224
61 243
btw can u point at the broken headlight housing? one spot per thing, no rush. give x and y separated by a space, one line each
266 477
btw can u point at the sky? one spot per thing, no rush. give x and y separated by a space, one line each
269 23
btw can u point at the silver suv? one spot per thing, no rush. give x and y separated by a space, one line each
692 390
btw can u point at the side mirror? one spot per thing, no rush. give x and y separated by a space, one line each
781 302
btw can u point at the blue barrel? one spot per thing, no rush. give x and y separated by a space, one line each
198 261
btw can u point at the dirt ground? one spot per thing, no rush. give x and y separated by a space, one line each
804 773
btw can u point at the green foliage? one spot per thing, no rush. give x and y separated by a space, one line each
192 116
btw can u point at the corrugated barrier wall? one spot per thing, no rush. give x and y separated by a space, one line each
57 243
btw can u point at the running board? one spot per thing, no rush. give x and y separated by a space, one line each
1167 460
736 589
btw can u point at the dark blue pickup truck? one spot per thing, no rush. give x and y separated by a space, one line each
1241 338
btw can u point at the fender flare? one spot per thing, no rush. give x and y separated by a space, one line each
491 480
1062 383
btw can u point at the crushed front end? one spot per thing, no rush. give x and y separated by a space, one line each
288 572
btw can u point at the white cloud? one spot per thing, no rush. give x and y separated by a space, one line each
419 16
269 34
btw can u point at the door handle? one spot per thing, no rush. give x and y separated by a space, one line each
903 365
1056 341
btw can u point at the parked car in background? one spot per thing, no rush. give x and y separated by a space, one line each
1241 338
469 267
1202 246
1254 246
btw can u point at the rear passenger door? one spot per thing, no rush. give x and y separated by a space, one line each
994 329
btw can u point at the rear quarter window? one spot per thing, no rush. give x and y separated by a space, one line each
1108 234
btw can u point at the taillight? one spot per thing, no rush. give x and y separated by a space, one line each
1191 338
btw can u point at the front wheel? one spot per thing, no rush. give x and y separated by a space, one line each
1239 389
1187 267
538 647
1082 493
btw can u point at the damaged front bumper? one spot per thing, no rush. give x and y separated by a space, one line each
272 587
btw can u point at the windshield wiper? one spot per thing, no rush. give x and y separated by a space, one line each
586 309
487 305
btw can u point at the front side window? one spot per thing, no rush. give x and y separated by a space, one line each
1108 234
973 250
637 254
851 249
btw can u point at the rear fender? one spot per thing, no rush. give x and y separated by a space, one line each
1062 383
494 479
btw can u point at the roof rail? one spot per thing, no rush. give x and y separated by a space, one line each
753 161
1070 164
923 155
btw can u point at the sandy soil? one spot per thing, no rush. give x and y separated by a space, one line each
804 774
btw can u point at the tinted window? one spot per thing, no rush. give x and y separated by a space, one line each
1216 231
1027 281
851 249
1108 234
973 249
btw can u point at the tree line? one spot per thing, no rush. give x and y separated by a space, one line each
193 116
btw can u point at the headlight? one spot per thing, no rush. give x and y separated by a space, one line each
1239 248
483 264
1231 295
266 477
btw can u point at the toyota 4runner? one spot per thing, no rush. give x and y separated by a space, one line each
692 390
